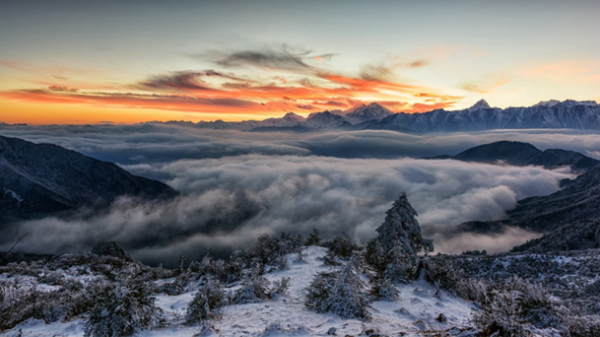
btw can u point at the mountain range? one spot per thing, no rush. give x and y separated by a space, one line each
583 115
39 179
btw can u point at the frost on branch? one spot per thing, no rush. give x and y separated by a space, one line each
341 292
206 303
125 308
394 251
402 226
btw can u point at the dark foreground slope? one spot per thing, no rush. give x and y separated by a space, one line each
38 179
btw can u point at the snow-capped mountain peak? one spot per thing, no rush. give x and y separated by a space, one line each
373 111
290 116
481 104
547 104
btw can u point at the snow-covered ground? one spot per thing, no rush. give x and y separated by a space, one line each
414 314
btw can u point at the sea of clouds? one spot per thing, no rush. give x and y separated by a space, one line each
237 185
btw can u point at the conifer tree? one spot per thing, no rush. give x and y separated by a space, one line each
402 229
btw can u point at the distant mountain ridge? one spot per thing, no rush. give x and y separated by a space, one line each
568 114
583 115
524 154
39 179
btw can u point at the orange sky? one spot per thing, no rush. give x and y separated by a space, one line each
64 62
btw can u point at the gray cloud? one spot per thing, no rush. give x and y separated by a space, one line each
158 142
281 57
229 201
239 184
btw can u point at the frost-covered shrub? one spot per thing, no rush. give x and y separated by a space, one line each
281 263
342 247
593 289
111 249
340 292
206 303
583 326
384 290
268 251
313 238
477 291
171 288
300 257
125 308
255 289
445 275
19 302
280 287
515 303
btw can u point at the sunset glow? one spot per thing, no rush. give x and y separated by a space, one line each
190 68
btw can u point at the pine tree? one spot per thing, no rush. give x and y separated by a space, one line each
402 228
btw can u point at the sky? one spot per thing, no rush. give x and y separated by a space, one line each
87 62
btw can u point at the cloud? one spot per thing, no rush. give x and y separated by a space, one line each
160 142
229 201
238 185
281 57
418 63
492 243
486 84
286 73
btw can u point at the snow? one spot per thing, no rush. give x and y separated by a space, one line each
417 309
36 327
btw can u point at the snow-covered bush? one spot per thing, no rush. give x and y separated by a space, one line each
515 303
313 238
171 288
341 292
268 251
583 326
125 308
19 302
444 274
255 289
206 303
384 290
280 287
342 246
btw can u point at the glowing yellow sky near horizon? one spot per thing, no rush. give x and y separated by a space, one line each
79 63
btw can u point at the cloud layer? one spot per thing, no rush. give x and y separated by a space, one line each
237 185
229 201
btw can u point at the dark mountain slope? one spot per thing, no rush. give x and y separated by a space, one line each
577 235
37 179
523 154
513 153
581 200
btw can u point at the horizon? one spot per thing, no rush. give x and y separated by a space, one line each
283 114
80 63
